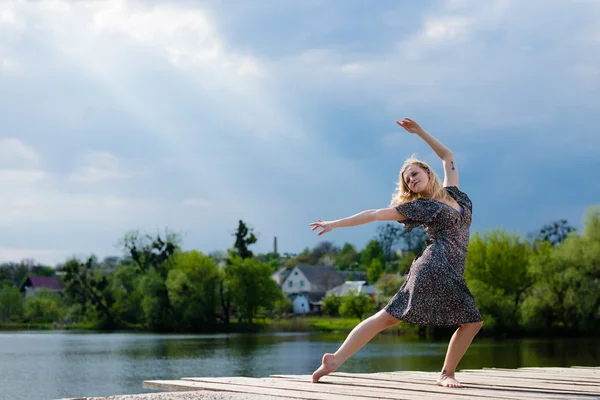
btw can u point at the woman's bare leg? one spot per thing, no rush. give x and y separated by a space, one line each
360 335
459 343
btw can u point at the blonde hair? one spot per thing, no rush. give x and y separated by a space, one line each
403 194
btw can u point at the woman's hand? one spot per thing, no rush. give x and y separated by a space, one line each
327 226
410 126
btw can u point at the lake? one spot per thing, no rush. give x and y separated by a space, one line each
50 365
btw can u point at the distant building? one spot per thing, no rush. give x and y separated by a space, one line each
280 275
34 284
349 287
306 285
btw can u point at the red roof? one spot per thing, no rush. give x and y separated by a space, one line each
50 282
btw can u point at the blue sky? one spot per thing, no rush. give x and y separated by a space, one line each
191 115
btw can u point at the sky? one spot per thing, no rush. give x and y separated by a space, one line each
188 116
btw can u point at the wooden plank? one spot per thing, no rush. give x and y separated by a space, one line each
474 383
572 371
523 391
426 390
378 391
554 377
220 387
474 379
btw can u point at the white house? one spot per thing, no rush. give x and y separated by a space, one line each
306 285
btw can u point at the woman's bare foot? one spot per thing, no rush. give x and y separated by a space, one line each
448 381
328 366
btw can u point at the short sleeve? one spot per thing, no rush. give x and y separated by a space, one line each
460 197
418 212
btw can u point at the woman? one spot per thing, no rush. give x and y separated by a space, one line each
435 292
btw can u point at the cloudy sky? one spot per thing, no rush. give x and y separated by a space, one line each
191 115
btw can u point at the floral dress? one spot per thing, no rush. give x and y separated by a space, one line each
435 291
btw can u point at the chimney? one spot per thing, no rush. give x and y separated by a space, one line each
275 244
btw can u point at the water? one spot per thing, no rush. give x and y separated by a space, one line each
50 365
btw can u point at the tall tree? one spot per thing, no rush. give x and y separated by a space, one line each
555 232
147 252
244 237
86 286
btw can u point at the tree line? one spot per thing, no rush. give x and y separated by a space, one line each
546 283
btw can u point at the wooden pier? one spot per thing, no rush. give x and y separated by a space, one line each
495 383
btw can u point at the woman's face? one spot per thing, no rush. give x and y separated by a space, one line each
416 178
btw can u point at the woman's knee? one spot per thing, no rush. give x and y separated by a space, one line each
386 318
476 326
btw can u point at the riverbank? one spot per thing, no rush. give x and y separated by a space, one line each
318 324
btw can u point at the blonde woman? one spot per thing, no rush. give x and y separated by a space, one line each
435 292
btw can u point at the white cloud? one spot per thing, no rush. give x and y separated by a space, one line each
97 167
184 35
15 154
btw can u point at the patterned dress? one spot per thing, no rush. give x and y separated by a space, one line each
435 291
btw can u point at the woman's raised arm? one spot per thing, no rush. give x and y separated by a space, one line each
450 171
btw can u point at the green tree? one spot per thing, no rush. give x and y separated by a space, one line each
43 307
565 296
331 305
372 251
127 294
374 271
244 237
84 285
283 306
156 308
252 287
11 303
192 285
147 252
498 274
348 258
356 305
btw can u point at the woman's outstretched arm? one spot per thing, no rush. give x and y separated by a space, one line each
364 217
450 171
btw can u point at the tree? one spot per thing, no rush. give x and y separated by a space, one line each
192 285
565 295
11 303
252 287
374 271
555 232
86 286
244 237
43 307
347 259
331 305
498 273
389 235
147 252
355 305
371 252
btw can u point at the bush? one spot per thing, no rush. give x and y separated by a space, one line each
331 305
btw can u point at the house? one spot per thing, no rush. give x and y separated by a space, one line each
353 286
34 284
280 275
306 285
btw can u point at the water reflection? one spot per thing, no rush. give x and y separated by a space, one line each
52 365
